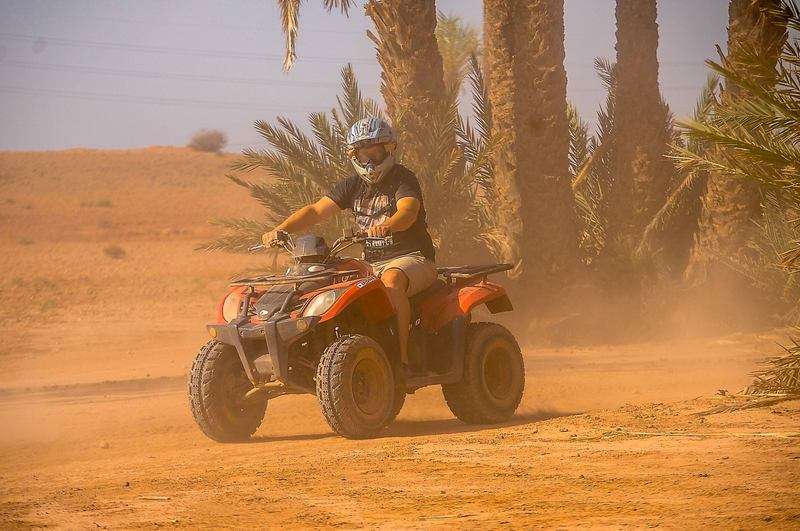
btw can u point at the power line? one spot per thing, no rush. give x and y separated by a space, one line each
176 102
173 102
51 67
59 41
176 51
210 26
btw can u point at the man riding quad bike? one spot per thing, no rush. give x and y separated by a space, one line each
360 334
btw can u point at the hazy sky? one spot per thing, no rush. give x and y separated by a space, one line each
116 74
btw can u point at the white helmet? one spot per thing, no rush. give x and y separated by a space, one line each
367 132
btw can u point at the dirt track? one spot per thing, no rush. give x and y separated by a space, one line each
96 430
86 455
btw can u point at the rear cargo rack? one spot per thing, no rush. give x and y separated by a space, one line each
472 271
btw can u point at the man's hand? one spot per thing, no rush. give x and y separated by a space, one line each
268 237
303 219
380 231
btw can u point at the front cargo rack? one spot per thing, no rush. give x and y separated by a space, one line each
274 280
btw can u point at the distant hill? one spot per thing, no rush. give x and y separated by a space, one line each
88 194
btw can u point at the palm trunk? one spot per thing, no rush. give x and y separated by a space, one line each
412 77
730 205
528 92
548 205
641 173
499 39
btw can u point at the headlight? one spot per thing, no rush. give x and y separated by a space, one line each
230 308
322 302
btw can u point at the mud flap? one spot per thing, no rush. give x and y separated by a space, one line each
456 371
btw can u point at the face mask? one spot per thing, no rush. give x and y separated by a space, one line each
373 173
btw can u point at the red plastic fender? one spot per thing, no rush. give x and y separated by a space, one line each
370 294
438 311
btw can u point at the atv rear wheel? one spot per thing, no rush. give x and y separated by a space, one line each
494 377
355 386
217 385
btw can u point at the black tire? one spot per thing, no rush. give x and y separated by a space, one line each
217 382
355 386
494 377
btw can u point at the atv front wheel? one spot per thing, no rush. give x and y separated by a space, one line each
494 377
355 386
217 385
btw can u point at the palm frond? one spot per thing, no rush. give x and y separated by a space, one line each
290 10
779 374
342 5
685 196
457 42
241 233
688 190
578 141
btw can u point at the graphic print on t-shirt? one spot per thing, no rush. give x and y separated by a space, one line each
371 211
375 205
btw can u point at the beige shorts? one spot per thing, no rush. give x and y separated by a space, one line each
420 271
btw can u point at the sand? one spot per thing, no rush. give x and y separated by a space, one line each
97 431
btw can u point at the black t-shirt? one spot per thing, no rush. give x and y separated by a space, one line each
374 204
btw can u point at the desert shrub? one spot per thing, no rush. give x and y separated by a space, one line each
208 140
114 251
100 203
25 241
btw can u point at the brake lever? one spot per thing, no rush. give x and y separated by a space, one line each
261 246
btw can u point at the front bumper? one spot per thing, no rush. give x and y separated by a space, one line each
279 337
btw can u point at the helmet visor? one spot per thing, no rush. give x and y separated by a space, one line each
374 153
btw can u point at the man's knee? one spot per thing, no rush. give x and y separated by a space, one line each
395 279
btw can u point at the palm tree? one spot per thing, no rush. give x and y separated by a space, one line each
641 173
524 55
756 132
730 205
296 169
457 43
751 138
412 76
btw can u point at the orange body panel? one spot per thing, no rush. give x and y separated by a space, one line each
370 293
457 301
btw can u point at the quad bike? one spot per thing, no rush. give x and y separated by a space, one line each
327 328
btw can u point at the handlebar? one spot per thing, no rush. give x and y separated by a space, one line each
339 245
283 240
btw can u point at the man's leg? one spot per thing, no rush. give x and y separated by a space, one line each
396 283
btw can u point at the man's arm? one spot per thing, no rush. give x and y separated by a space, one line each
304 218
406 215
